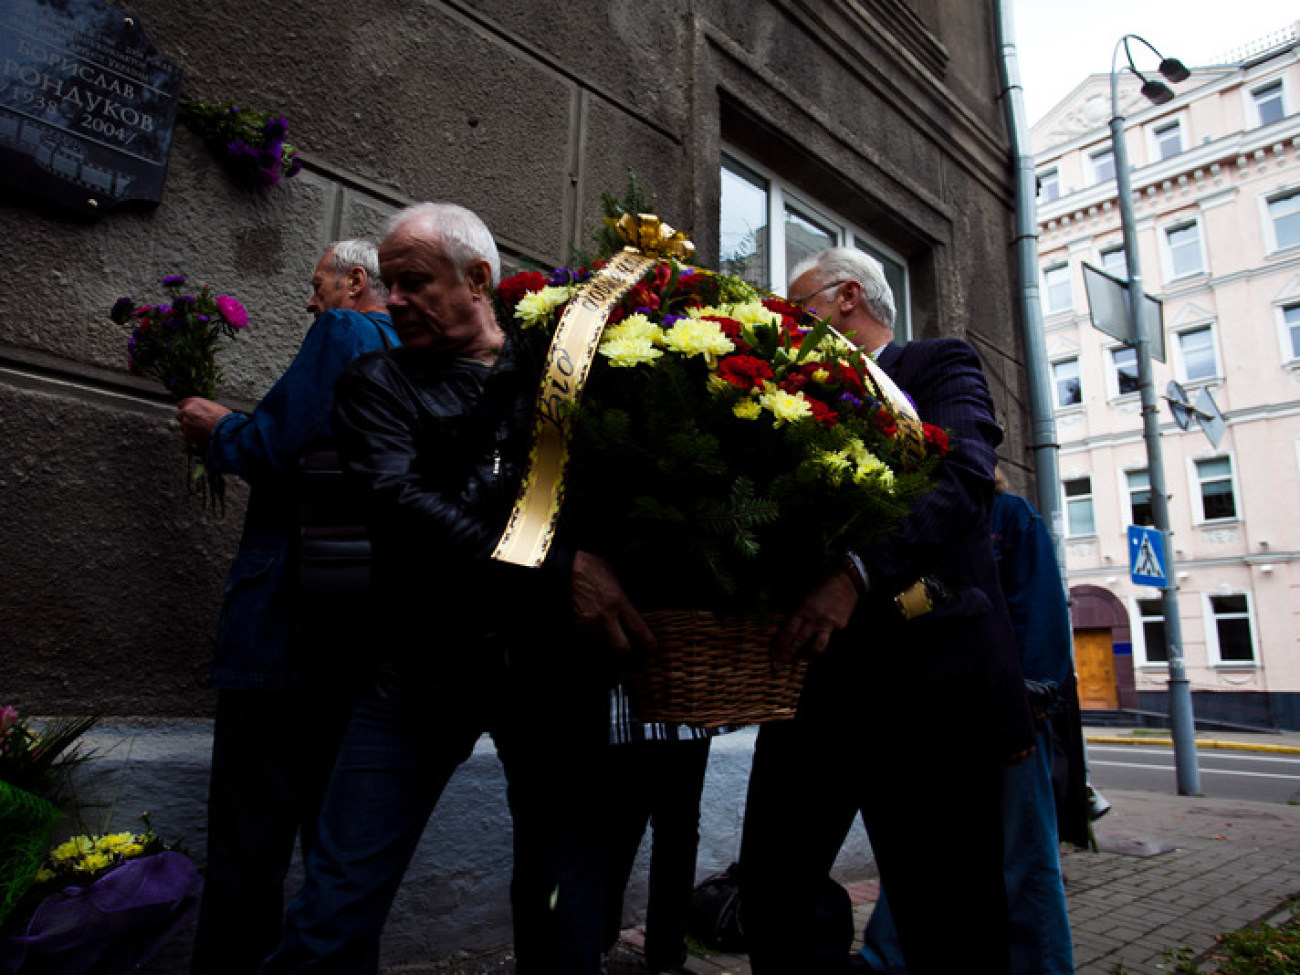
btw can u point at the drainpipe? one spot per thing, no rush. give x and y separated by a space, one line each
1041 407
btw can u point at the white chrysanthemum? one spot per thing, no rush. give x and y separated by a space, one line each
629 350
536 307
693 336
785 407
747 409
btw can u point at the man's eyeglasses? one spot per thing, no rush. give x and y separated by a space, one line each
804 299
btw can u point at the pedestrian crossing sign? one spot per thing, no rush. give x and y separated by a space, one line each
1146 556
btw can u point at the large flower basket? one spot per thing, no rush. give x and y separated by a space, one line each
710 670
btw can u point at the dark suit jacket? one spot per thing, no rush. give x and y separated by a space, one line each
957 663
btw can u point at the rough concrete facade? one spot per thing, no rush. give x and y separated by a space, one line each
888 111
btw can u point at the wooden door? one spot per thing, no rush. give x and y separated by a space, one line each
1094 662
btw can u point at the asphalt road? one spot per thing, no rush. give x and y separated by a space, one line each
1258 776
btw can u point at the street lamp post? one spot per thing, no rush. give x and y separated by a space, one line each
1181 722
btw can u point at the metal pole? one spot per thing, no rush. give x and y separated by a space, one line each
1181 722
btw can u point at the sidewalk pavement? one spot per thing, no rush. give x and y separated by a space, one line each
1169 870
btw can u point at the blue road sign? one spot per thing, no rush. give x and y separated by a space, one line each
1146 557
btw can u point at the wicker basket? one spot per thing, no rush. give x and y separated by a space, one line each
712 670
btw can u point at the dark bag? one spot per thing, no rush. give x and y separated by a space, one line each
333 544
715 916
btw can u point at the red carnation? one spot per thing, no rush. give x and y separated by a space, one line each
513 288
822 413
744 371
783 308
936 439
885 423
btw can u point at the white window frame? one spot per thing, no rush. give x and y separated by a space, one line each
1106 151
781 194
1270 223
1138 633
1253 99
1213 651
1112 372
1049 184
1091 498
1180 363
1126 485
1048 307
1167 250
1290 346
1197 489
1056 383
1156 143
1122 270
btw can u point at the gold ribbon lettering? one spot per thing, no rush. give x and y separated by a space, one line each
910 427
528 535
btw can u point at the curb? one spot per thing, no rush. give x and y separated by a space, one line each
1242 746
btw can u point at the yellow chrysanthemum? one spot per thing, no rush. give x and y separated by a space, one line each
717 385
95 861
753 313
785 407
629 350
835 463
747 409
636 326
872 470
536 307
693 336
114 841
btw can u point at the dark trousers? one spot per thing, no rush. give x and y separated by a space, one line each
655 783
399 752
929 800
272 754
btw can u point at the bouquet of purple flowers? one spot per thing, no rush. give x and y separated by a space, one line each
248 143
175 342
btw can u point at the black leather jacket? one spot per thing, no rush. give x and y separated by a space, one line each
437 445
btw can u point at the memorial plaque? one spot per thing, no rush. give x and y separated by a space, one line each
87 107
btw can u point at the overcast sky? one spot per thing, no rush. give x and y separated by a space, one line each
1059 43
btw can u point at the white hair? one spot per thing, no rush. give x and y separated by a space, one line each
850 264
358 252
463 235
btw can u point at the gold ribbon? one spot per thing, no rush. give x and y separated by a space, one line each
910 428
650 235
528 534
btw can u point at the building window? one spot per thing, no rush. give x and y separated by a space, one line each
1114 261
1065 379
1284 212
766 227
1218 500
1268 103
1139 498
1126 370
1152 614
1103 165
1049 185
1196 353
1169 139
1230 638
1291 322
1078 506
1056 286
1184 243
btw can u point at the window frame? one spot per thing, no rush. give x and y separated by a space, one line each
1107 152
1049 269
1120 271
1180 358
1253 98
1057 380
1168 250
783 196
1049 184
1113 373
1127 475
1289 332
1198 489
1138 621
1089 497
1212 618
1157 143
1273 244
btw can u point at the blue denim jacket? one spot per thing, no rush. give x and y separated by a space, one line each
255 646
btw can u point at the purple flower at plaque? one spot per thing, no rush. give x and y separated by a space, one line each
249 144
173 280
122 309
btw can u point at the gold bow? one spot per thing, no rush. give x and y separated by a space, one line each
650 235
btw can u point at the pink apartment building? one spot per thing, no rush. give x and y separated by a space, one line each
1216 184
